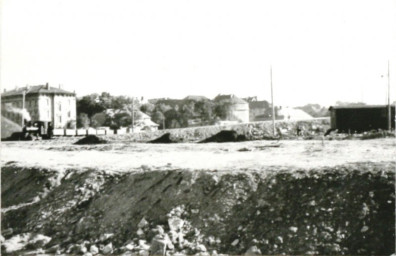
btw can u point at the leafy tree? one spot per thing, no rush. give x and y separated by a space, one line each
90 105
122 119
222 109
83 121
172 118
147 108
158 117
98 119
106 100
205 109
186 112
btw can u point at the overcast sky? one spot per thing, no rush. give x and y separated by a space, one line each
320 51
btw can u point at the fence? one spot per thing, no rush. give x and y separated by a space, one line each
89 131
82 132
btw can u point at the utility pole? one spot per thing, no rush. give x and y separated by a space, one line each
389 104
272 102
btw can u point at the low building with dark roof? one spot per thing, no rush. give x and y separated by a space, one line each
361 118
40 103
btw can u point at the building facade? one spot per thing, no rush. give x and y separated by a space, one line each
40 103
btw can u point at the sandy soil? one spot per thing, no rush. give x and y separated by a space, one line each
223 156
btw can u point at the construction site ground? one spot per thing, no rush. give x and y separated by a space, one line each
126 156
255 197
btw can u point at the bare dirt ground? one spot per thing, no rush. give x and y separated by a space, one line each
120 156
294 197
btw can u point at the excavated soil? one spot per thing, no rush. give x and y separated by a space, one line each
91 140
343 209
225 136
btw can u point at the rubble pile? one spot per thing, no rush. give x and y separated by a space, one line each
340 210
90 139
166 138
225 136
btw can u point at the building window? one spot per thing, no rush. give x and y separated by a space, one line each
60 107
47 102
60 119
68 114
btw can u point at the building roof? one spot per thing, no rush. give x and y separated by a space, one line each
294 114
258 104
195 97
359 107
231 98
36 89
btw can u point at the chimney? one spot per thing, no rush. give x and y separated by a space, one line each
47 86
5 89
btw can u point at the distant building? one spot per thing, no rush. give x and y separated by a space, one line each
361 118
196 98
143 122
238 109
42 103
292 114
259 111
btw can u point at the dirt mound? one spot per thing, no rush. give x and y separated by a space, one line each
166 138
338 210
225 136
90 139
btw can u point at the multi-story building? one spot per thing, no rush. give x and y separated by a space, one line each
40 103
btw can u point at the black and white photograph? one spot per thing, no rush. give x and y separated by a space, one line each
198 127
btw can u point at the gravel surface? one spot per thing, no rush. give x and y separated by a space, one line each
225 156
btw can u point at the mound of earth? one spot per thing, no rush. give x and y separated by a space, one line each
166 138
225 136
90 139
340 210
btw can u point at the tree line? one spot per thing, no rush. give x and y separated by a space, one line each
93 111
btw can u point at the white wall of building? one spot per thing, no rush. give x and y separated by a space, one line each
239 112
64 110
